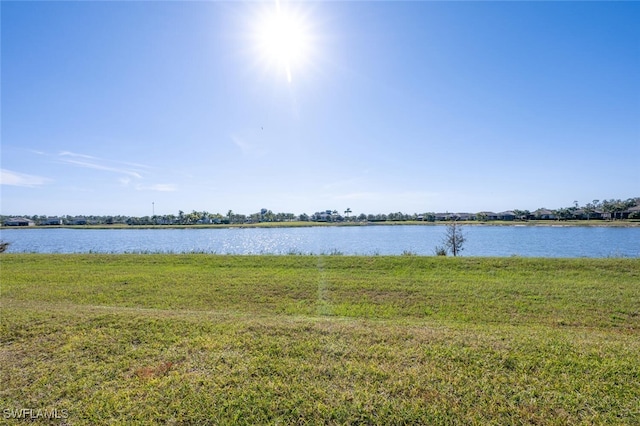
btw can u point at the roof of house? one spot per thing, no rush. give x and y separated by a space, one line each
544 211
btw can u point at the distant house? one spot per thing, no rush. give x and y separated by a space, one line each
79 221
19 221
464 216
486 216
578 214
544 214
631 213
429 217
582 214
325 216
162 221
52 221
508 215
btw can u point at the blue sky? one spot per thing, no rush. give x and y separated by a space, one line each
108 107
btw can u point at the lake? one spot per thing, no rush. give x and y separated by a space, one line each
528 241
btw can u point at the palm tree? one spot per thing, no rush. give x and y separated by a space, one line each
589 209
347 212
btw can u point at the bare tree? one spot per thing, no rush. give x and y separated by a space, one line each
454 239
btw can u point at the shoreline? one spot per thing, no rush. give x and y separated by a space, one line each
298 224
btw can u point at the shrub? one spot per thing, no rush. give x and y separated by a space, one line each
440 251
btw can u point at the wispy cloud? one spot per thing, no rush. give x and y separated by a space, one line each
95 166
161 187
241 143
95 163
11 178
75 154
124 181
129 174
247 147
91 157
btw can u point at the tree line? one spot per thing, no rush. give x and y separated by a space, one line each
613 209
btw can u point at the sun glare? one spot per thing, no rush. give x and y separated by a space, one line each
283 39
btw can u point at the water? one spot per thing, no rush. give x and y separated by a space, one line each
529 241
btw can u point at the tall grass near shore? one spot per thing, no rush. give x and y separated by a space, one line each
184 339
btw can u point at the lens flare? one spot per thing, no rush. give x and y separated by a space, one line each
283 39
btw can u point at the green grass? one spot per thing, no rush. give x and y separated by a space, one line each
203 339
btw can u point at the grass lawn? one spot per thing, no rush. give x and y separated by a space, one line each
205 339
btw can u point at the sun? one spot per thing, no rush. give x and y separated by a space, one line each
283 39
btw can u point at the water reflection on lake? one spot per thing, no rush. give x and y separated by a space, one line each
530 241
